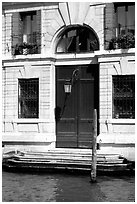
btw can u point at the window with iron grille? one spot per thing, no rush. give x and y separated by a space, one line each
28 98
123 96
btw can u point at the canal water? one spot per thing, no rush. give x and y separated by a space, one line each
23 187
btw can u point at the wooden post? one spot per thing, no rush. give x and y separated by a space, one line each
94 146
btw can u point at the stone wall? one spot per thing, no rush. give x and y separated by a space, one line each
41 129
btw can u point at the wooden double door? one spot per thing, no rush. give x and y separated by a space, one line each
74 111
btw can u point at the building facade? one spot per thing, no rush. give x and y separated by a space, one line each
88 47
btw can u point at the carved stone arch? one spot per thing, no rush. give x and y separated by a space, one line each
94 19
56 38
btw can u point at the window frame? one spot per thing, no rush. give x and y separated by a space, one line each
126 99
126 5
23 16
78 29
25 43
21 98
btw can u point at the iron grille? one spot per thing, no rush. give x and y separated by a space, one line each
124 96
28 98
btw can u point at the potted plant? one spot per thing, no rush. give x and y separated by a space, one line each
25 48
125 41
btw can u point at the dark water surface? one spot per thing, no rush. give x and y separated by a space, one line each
19 187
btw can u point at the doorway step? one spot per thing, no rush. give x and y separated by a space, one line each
63 159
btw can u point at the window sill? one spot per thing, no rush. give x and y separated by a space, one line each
74 55
25 56
29 56
103 53
121 121
27 120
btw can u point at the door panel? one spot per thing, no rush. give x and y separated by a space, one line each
66 124
74 111
86 103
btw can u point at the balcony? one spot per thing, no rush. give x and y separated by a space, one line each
25 49
122 40
31 45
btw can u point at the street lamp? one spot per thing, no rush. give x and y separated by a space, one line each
67 86
70 82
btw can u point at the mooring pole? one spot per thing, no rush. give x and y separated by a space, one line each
94 146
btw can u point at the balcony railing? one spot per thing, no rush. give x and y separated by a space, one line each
122 40
28 44
25 49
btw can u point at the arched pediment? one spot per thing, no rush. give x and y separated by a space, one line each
81 13
72 14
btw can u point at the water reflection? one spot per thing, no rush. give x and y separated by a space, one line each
118 189
65 188
28 187
78 189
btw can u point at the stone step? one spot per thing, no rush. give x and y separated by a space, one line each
73 159
61 164
64 156
68 159
59 161
73 153
63 152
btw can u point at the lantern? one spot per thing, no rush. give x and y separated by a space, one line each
67 86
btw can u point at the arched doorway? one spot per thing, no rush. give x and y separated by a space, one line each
74 111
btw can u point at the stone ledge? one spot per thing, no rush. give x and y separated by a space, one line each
116 138
28 137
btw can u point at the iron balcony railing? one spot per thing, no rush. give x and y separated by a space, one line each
122 38
31 44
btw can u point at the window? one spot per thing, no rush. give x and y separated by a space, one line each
26 32
125 13
29 28
28 98
77 39
123 96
